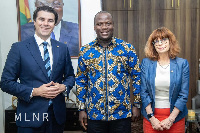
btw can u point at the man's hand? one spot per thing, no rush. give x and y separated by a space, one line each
83 119
50 90
135 114
61 87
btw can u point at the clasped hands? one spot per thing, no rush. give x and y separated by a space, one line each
49 90
161 125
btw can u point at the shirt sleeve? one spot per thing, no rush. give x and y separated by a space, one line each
81 82
135 73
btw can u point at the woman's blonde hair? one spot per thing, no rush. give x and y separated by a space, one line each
161 33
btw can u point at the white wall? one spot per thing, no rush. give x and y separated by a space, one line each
9 35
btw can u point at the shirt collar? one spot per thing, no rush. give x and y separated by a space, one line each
40 41
113 41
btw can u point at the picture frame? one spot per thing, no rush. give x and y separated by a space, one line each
69 24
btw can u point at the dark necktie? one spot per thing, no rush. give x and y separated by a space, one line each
47 59
47 63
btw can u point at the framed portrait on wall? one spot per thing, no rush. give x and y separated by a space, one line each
67 29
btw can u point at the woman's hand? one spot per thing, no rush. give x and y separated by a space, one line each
156 124
167 123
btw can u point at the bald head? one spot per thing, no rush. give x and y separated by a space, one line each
102 12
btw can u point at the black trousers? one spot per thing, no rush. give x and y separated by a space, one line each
50 126
114 126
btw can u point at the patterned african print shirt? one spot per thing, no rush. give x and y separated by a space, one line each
103 77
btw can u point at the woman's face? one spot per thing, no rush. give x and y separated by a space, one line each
161 45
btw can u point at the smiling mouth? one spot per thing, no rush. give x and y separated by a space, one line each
162 48
45 29
104 33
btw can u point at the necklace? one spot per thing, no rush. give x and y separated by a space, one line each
163 66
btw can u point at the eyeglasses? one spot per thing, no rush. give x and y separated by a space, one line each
162 41
39 4
54 4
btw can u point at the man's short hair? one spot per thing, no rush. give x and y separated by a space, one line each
101 12
47 9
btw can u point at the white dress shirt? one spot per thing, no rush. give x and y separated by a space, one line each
49 47
39 42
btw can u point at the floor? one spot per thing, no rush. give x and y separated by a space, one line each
73 132
136 127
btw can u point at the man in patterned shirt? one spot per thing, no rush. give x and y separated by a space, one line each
103 83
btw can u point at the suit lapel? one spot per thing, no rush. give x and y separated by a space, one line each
55 51
152 76
35 52
172 77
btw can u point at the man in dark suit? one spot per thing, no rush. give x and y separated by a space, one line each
44 69
65 32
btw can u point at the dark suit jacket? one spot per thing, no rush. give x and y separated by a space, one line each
24 62
69 35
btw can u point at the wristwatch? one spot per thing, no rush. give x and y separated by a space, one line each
150 115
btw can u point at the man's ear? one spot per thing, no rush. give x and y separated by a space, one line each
34 23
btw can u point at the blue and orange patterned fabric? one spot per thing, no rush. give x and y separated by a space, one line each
103 79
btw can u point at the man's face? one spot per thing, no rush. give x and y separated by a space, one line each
57 5
44 24
104 27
